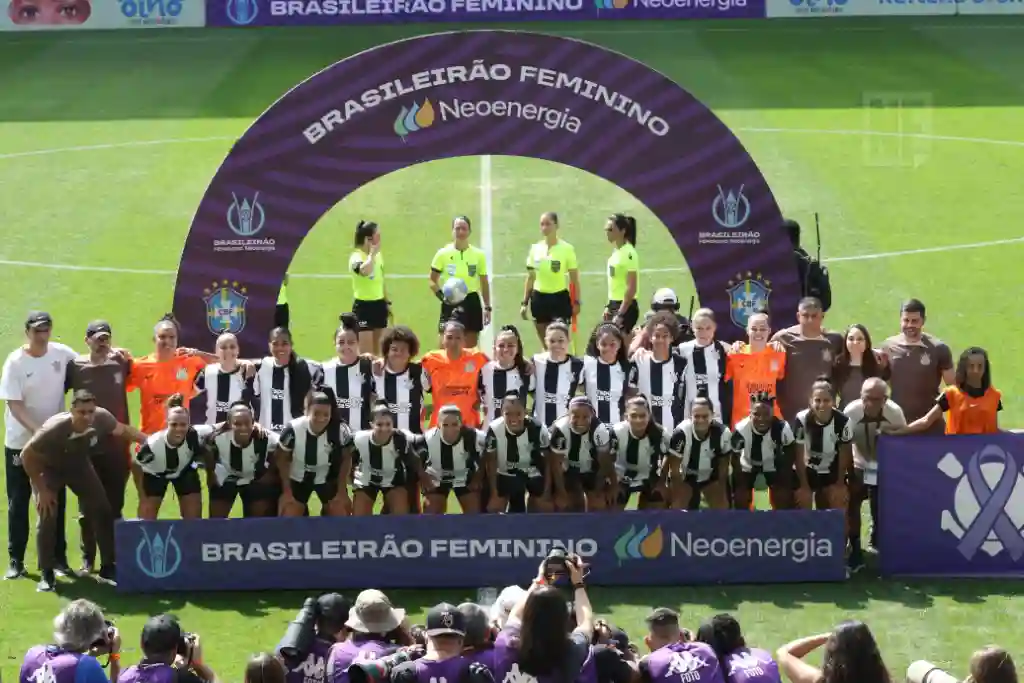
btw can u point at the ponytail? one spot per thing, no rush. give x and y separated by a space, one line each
174 401
626 225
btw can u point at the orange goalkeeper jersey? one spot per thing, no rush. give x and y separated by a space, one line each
455 382
751 373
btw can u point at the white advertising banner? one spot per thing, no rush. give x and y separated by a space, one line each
860 8
70 15
975 7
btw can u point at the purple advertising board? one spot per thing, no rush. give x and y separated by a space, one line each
480 93
427 551
951 505
340 12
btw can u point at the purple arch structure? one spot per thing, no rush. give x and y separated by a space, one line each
471 93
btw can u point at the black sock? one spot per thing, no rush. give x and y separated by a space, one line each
855 545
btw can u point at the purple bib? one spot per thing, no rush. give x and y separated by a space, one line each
506 658
450 670
749 665
314 668
49 664
148 673
341 656
684 663
483 656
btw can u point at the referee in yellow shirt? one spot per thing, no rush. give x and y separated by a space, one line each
468 263
623 273
550 269
370 295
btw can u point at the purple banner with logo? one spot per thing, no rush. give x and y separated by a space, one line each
336 12
424 551
951 505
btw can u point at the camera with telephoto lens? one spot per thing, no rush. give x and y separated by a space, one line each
299 636
926 672
104 641
379 670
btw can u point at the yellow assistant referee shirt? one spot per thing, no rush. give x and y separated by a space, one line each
621 263
366 287
551 266
466 264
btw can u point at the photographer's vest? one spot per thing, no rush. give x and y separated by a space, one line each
748 665
684 663
449 671
342 655
313 669
49 664
506 664
148 673
484 656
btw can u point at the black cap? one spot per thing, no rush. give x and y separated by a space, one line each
161 634
445 620
662 616
38 319
98 327
333 608
619 638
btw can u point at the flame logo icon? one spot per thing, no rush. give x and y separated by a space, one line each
642 544
611 4
413 119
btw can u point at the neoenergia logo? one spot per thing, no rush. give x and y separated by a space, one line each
643 544
413 119
611 4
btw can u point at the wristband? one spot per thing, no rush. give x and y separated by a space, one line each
115 656
439 294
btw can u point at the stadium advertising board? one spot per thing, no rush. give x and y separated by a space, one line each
630 548
465 94
333 12
952 506
859 8
983 7
57 15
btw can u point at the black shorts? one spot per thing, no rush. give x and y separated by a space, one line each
631 314
249 493
400 481
373 315
186 484
783 478
510 486
445 489
821 480
580 482
470 313
302 491
645 489
546 308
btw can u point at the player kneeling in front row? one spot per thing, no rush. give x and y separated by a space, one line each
383 462
763 444
170 457
699 459
516 459
639 446
452 453
580 463
238 466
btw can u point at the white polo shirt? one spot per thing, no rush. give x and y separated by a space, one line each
39 382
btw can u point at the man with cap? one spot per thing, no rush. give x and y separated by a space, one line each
377 628
674 658
332 611
32 388
740 663
104 372
446 631
664 299
169 655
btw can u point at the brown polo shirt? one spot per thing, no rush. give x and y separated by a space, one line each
807 358
106 381
916 374
61 448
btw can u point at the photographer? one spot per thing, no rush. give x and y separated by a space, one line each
614 656
671 649
170 655
478 643
740 663
443 661
536 639
80 633
308 640
378 629
264 668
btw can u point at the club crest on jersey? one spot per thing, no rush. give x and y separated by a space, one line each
181 375
225 307
56 365
925 359
826 356
748 294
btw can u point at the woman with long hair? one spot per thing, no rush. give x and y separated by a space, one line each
452 452
349 376
515 459
606 372
825 455
224 382
580 463
369 291
509 371
658 374
283 382
639 449
851 656
699 449
382 463
857 362
623 273
552 278
169 457
462 260
557 375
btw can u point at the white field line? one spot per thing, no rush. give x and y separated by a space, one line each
487 237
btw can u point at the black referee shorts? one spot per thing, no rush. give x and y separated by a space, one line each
549 307
373 315
470 313
630 316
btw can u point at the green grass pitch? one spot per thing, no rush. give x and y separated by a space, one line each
904 134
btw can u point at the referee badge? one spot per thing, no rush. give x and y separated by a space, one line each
556 266
472 270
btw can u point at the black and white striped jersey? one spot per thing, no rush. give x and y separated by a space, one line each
238 465
822 442
277 407
580 452
158 458
522 453
704 376
353 387
662 383
764 452
605 385
554 384
450 464
638 459
380 465
494 382
316 458
698 457
404 393
221 389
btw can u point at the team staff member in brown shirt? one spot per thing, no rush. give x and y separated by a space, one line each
59 455
918 365
810 353
104 373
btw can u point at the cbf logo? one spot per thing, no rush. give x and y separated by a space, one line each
246 218
747 295
412 119
242 12
988 503
225 307
730 209
158 556
640 544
